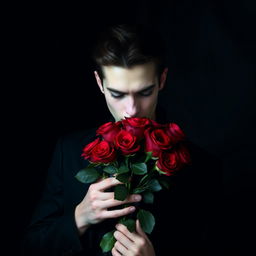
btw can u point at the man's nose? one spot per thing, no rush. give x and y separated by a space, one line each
131 108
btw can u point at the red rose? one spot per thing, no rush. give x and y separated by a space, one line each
168 162
108 131
156 140
157 125
136 125
175 133
88 148
103 152
183 153
127 142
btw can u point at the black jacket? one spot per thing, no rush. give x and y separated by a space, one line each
186 215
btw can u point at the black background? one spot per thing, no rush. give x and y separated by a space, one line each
210 92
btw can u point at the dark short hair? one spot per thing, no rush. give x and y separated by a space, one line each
127 45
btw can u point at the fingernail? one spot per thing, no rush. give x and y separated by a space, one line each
137 197
132 209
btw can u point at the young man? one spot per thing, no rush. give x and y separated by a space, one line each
72 217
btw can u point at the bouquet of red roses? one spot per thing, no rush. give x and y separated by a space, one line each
139 152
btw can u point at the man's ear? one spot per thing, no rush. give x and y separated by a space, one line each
99 82
163 79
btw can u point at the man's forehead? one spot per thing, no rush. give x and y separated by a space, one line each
126 87
132 79
138 90
136 71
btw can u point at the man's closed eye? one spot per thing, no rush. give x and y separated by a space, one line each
119 95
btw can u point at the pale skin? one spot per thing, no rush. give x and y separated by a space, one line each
132 244
94 207
129 92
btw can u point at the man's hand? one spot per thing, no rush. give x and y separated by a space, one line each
94 207
132 244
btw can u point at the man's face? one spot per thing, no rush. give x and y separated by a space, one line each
131 92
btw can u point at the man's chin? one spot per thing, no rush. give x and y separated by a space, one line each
149 116
137 116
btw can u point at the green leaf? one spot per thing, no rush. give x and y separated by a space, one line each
110 169
149 156
155 168
87 175
154 185
147 220
129 223
144 180
127 160
121 192
115 164
123 169
139 168
91 165
148 197
123 177
164 183
139 190
108 241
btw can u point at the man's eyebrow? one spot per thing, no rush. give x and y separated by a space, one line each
143 90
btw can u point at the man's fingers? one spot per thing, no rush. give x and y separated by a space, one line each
139 229
115 252
105 195
123 229
120 244
118 213
112 202
106 183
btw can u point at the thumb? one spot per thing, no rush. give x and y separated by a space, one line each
139 229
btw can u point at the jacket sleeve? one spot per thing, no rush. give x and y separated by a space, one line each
52 230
